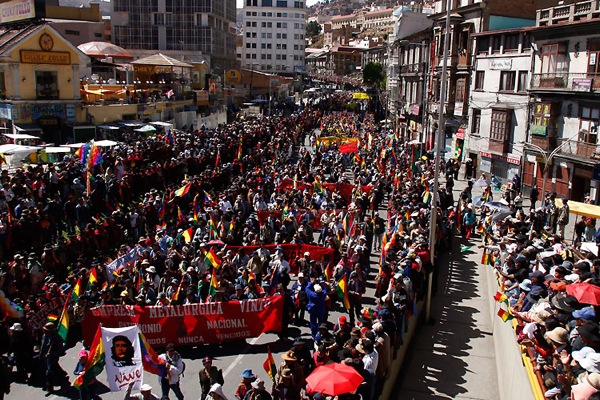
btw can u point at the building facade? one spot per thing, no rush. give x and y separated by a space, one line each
565 101
191 30
39 82
498 105
274 36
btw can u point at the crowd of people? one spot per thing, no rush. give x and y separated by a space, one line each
163 203
550 288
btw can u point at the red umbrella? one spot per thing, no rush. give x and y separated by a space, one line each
216 242
585 293
334 379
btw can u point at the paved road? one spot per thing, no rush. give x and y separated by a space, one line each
232 358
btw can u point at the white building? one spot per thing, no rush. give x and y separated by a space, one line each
498 106
273 36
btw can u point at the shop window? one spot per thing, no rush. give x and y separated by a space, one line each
46 85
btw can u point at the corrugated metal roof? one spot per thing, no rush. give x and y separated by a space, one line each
10 35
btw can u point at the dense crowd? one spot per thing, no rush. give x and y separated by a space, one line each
550 288
164 203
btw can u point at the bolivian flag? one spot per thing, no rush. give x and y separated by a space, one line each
76 290
214 283
342 290
188 234
317 186
211 259
485 258
501 297
269 365
182 191
63 323
94 364
93 278
505 315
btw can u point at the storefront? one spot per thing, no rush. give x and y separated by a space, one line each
39 74
503 168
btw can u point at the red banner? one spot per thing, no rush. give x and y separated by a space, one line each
191 324
289 183
322 255
349 148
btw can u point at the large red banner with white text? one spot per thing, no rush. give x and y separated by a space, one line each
191 324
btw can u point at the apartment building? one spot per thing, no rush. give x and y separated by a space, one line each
190 30
565 101
498 105
273 36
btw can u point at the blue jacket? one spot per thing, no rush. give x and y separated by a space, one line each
316 301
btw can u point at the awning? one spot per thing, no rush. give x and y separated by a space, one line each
73 145
27 128
114 128
106 143
54 149
15 148
160 123
578 208
147 128
20 136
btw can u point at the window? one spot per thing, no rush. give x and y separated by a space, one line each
263 56
251 3
496 43
501 125
523 78
507 80
71 32
593 54
479 78
281 3
460 90
511 42
46 85
475 120
298 4
589 121
267 3
554 58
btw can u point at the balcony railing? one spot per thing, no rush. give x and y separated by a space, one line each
576 82
579 149
412 68
582 10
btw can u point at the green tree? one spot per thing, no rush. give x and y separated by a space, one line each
373 74
313 29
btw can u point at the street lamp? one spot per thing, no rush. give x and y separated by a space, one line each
547 158
438 153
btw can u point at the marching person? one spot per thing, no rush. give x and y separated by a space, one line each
144 394
216 393
244 387
174 369
50 352
209 376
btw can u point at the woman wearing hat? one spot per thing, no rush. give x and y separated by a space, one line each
244 386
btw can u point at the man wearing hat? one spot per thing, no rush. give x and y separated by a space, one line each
20 348
286 390
50 352
144 394
290 361
258 391
209 375
244 386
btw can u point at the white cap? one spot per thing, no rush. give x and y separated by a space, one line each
145 388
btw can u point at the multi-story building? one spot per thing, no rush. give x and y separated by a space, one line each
565 101
468 17
498 104
377 19
191 30
407 22
273 32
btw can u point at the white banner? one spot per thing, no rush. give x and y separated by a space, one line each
123 356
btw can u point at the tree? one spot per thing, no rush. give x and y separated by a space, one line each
373 74
313 29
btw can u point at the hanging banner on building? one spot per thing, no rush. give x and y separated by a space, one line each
191 324
123 357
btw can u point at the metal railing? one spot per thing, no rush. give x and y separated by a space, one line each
579 149
412 68
577 82
582 10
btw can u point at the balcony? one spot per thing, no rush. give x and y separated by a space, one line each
564 81
579 149
545 143
569 13
416 68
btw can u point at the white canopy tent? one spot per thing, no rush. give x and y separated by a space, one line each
15 154
106 143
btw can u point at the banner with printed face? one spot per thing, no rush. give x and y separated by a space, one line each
191 324
123 357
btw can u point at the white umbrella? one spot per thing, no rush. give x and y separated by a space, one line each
481 183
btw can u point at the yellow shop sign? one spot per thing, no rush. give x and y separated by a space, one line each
45 57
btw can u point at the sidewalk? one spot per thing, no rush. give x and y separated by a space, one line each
454 358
